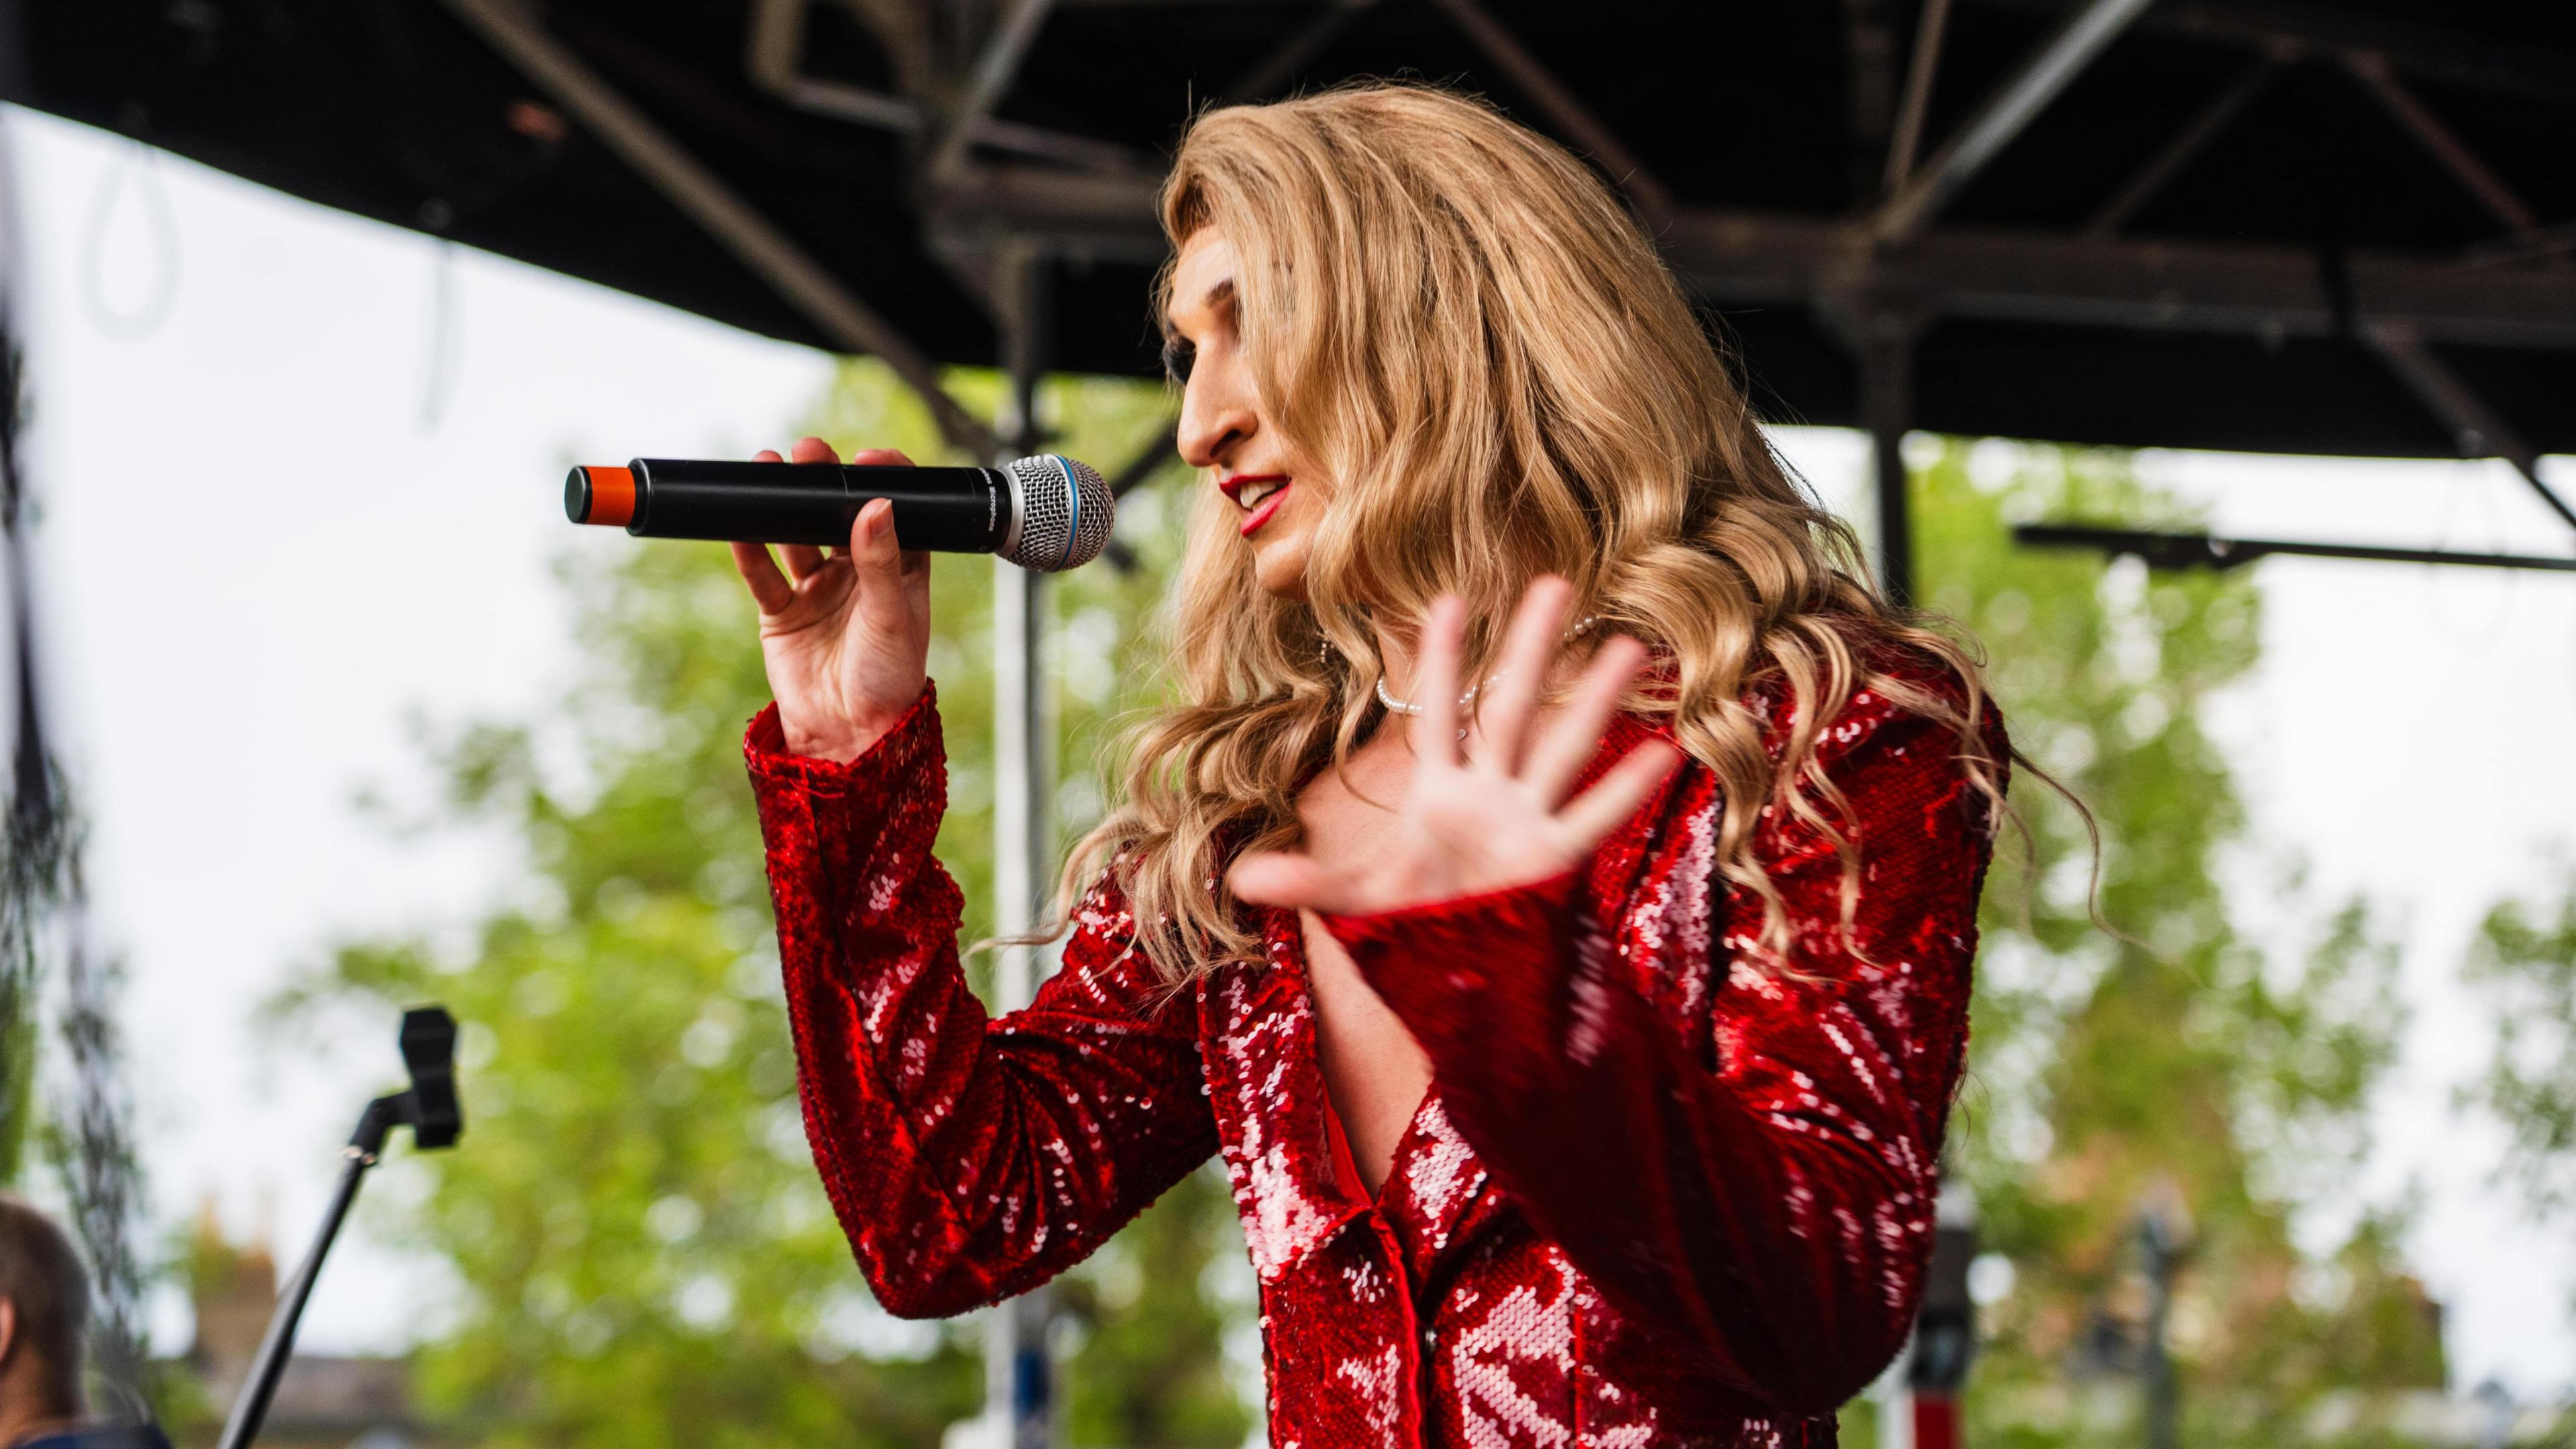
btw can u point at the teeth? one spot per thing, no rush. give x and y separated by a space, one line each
1252 494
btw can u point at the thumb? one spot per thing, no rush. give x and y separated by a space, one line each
874 554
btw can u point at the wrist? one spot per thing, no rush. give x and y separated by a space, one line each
838 747
840 741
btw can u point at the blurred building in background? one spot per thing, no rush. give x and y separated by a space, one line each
323 1402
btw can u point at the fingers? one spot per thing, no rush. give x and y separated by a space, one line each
815 450
1598 811
1503 709
769 588
1573 735
1435 683
913 579
802 559
1276 878
775 591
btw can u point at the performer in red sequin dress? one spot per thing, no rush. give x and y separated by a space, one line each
1552 893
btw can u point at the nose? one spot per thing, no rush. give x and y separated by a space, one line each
1217 415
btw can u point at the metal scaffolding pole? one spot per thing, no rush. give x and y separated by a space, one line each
2464 164
2189 142
689 184
2093 25
1884 345
2478 430
1916 104
1560 103
1019 1390
995 69
1747 258
2200 551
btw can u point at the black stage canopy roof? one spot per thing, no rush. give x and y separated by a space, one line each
2249 224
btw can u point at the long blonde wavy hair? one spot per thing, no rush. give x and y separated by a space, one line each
1460 325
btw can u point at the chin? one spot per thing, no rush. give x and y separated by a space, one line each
1279 566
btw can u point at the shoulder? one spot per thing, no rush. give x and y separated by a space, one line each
1910 718
1104 966
1897 693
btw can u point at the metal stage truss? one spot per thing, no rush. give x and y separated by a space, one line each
2334 228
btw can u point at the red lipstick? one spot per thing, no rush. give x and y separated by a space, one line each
1233 486
1261 515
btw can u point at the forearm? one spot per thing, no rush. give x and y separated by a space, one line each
1690 1204
967 1158
1738 1150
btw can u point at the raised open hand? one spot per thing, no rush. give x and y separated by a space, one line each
846 637
1488 809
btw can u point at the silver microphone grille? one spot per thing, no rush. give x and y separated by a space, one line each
1061 512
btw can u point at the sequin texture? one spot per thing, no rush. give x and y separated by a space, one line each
1657 1195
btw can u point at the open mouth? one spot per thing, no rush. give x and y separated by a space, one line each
1258 494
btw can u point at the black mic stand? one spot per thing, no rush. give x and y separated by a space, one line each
430 1110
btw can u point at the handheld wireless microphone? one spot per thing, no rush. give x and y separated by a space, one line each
1046 513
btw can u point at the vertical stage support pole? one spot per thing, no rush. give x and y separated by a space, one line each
1019 1388
2164 1237
1884 345
1945 1327
1893 1393
1918 1395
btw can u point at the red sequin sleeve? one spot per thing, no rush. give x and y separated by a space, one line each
969 1159
1740 1158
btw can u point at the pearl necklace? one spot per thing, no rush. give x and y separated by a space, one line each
1408 707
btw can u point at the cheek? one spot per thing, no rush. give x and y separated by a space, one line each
1307 505
1293 529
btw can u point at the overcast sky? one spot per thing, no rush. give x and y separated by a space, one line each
276 526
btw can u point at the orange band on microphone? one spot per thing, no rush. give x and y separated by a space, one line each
612 496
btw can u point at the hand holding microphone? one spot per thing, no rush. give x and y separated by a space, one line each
846 635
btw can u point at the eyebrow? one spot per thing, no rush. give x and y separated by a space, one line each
1220 295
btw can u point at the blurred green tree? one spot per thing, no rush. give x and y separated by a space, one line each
2524 962
2174 1056
641 1252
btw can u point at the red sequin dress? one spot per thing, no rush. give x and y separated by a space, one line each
1654 1197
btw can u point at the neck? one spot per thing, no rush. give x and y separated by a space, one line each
1395 656
28 1421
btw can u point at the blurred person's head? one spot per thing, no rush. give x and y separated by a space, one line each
1423 351
44 1319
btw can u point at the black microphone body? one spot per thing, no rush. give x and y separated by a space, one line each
953 510
1046 512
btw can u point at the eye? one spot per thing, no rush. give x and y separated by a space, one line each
1179 353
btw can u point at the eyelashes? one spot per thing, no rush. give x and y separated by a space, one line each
1179 355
